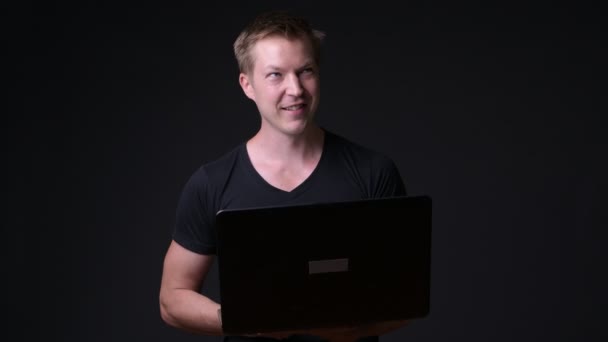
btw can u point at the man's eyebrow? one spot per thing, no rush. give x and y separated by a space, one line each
303 66
272 67
307 65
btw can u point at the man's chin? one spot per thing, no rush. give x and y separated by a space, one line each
297 127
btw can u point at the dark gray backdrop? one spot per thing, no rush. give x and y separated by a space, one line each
496 113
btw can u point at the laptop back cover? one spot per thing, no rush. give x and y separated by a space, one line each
321 265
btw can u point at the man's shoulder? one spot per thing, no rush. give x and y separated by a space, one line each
338 140
227 159
374 171
219 166
353 148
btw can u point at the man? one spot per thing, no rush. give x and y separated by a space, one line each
290 160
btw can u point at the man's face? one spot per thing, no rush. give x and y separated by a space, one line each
284 84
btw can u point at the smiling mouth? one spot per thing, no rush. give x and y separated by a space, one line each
295 107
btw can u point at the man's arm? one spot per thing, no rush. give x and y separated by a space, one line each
181 304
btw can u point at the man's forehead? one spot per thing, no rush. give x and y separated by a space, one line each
279 53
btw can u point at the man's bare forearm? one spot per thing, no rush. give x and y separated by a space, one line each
191 311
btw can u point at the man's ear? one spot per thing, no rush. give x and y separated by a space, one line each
246 85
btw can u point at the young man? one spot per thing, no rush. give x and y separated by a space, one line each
290 160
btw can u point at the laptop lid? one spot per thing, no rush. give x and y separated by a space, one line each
325 264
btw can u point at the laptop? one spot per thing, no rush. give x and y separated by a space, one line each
322 265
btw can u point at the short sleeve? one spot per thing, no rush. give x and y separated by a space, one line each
194 221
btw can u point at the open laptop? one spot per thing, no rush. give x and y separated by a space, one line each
320 265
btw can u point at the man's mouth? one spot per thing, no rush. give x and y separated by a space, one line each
295 107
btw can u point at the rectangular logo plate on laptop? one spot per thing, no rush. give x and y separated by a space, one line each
327 266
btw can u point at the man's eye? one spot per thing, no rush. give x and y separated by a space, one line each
308 72
273 75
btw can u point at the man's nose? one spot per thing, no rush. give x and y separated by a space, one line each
294 86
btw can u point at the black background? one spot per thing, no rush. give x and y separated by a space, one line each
497 113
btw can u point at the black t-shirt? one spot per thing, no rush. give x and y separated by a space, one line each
346 171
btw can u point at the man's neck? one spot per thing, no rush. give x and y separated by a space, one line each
284 161
281 148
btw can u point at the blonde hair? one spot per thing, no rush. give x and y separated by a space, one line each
271 23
